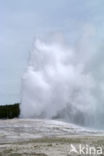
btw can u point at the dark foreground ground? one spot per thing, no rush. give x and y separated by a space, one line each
29 137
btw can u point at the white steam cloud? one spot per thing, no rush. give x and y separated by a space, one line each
59 83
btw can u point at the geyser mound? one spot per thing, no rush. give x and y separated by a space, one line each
59 84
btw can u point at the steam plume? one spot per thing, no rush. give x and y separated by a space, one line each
60 83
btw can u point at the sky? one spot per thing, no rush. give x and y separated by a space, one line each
22 21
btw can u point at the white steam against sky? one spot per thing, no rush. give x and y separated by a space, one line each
60 82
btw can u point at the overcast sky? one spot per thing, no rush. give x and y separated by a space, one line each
21 21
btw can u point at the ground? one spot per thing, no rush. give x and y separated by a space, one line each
31 137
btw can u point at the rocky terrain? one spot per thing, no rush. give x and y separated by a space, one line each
35 137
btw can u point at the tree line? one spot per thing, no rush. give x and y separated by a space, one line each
9 111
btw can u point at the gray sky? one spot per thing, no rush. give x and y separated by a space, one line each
24 20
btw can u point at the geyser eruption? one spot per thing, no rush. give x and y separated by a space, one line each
59 83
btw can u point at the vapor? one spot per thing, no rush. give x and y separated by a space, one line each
60 82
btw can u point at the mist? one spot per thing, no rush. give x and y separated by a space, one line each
64 82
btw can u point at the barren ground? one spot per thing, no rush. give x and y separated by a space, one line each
31 137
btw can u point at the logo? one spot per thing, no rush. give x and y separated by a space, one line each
85 149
